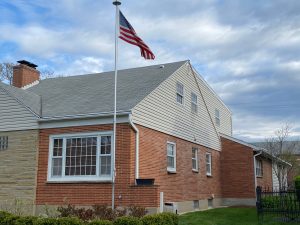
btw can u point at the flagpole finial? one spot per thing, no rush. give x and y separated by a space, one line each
116 3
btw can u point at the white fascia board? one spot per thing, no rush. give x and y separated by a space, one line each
44 124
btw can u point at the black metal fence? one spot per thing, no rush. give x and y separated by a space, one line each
282 205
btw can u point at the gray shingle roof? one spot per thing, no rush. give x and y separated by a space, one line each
93 93
28 99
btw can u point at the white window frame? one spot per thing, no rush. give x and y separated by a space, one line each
84 178
180 94
208 173
195 159
258 167
217 117
194 104
171 169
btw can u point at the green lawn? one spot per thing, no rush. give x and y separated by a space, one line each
226 216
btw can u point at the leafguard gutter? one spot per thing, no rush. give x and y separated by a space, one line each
82 116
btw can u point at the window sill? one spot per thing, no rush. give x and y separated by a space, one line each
208 175
80 180
77 182
195 171
259 176
171 171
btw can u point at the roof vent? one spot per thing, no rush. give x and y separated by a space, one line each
162 66
24 62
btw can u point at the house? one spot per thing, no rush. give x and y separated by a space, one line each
55 138
292 151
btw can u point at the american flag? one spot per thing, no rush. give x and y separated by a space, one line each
128 34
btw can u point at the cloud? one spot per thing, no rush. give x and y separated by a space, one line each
45 42
248 51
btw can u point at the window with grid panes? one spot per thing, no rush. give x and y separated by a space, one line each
80 157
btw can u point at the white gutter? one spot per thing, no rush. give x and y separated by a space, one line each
82 116
254 163
137 135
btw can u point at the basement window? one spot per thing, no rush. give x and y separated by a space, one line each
3 143
80 157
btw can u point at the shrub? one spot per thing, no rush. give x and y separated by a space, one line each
174 217
101 222
26 220
9 220
81 213
137 211
3 215
297 182
57 221
69 221
46 221
104 212
160 219
127 220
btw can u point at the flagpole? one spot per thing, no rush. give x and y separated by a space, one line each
116 3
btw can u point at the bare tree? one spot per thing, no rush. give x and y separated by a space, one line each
46 73
6 72
283 149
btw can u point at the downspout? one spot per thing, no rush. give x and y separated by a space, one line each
254 163
137 134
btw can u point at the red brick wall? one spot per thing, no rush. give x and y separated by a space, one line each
185 185
95 193
237 170
266 180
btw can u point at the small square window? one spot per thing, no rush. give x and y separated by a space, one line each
3 143
179 92
171 157
196 204
217 117
194 102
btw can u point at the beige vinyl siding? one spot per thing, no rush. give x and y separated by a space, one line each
214 102
160 111
13 115
18 171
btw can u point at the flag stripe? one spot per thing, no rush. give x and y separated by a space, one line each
128 34
134 39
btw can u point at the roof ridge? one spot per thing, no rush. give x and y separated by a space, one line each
110 71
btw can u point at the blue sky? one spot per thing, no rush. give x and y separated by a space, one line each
248 51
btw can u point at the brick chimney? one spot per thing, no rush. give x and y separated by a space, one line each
25 74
